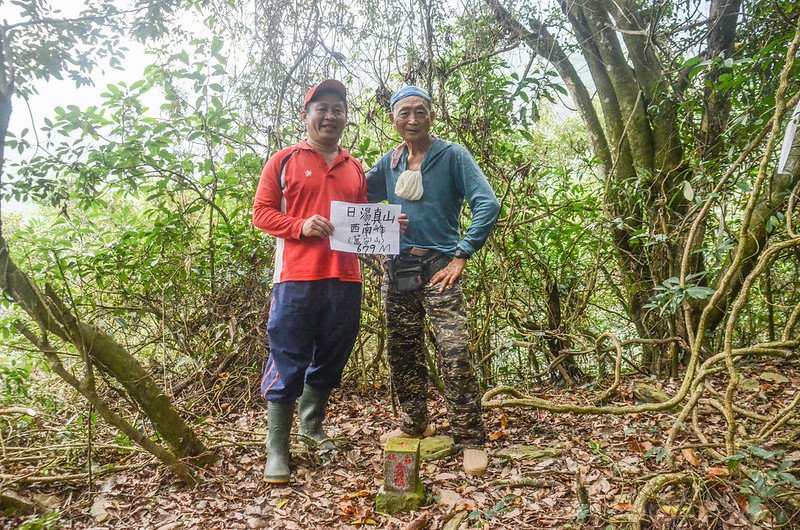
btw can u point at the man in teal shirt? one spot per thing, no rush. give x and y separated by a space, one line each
430 178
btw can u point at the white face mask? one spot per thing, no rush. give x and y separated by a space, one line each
409 185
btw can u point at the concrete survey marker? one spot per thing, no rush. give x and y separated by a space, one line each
402 489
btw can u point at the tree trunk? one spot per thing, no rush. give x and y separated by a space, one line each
52 316
567 370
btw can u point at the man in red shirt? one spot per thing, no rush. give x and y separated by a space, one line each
316 297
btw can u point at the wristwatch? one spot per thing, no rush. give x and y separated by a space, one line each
460 254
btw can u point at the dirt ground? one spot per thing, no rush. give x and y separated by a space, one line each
613 455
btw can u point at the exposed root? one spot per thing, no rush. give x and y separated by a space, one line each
652 488
525 481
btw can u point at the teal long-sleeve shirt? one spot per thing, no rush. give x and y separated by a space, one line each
449 175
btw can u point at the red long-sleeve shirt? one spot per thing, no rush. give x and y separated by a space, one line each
309 186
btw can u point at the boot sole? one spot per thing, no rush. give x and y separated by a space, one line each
281 480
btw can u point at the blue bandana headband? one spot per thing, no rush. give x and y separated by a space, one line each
408 91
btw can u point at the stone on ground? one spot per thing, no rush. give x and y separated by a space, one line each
436 447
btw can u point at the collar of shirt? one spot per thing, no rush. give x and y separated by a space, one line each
400 149
344 153
397 153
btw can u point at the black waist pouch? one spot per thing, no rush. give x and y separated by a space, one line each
410 273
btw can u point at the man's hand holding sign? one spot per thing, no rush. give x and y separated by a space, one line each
317 226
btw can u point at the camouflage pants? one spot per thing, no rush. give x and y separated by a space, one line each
405 326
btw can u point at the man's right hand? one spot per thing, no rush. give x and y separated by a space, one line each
317 226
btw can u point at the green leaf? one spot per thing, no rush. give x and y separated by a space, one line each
699 293
688 191
216 45
754 506
690 62
772 223
761 453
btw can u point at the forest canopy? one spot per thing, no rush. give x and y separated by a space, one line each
642 153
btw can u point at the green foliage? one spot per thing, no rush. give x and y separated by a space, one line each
173 177
657 453
50 521
584 512
765 481
14 377
51 46
669 295
151 208
145 195
481 518
597 449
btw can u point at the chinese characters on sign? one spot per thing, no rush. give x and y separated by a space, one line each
403 470
365 228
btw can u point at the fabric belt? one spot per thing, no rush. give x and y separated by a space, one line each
421 252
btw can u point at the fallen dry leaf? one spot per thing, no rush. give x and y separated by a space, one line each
420 522
341 495
173 525
690 456
256 522
497 435
639 447
741 500
448 497
361 493
348 508
98 509
600 486
717 471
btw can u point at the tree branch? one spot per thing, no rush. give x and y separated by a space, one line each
543 43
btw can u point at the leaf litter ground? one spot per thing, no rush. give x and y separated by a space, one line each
613 455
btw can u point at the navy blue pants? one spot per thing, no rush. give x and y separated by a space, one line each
312 329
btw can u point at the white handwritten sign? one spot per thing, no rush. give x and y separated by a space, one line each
365 228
